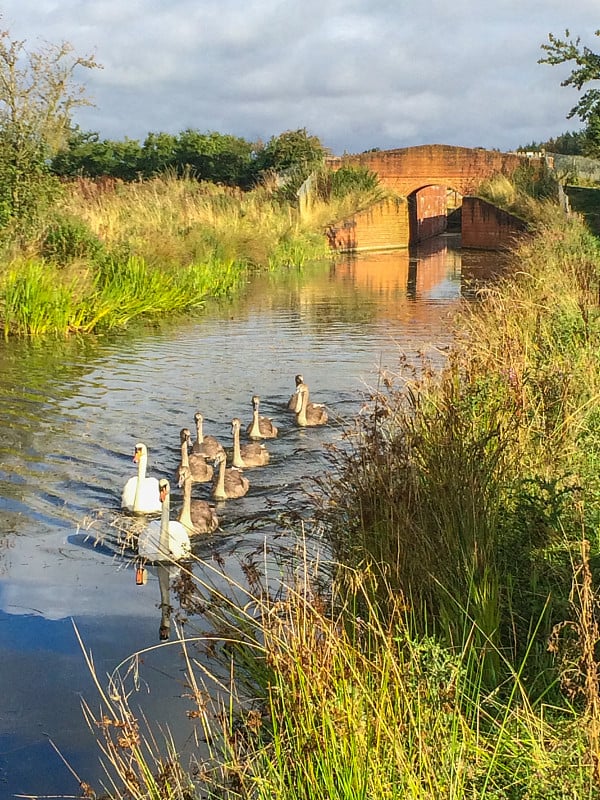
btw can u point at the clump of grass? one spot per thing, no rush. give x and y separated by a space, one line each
34 300
523 193
577 653
40 298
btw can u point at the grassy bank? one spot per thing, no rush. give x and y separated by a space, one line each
475 487
453 652
106 253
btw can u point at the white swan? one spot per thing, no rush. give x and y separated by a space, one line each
205 445
252 454
197 516
229 483
309 414
167 539
260 427
140 494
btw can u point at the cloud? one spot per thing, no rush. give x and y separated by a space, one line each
357 74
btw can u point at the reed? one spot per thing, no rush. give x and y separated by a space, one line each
41 298
34 300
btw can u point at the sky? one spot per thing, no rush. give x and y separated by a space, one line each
358 74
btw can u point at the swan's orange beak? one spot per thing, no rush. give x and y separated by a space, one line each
162 493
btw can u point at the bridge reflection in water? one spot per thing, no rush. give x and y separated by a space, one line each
432 270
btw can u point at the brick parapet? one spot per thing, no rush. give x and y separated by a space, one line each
407 169
487 227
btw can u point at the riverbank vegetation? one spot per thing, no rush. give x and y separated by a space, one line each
449 647
106 252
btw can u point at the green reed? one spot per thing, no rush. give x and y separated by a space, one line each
106 255
33 302
39 298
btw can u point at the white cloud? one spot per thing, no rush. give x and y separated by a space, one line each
357 74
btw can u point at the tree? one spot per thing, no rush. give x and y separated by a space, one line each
291 150
571 143
292 157
587 70
38 93
86 155
216 157
158 153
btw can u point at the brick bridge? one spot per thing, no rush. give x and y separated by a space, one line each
423 180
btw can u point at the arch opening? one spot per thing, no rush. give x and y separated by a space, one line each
433 209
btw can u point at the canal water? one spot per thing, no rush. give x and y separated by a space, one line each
71 413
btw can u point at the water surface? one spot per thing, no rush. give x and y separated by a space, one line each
71 413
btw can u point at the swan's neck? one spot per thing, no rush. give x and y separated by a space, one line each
185 516
199 431
185 461
298 401
164 539
142 463
255 429
237 450
301 411
220 487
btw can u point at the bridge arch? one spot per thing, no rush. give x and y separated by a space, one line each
407 169
421 178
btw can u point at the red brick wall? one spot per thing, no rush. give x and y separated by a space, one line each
410 168
383 225
428 213
487 227
386 224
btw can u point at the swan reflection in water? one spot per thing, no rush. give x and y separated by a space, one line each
165 573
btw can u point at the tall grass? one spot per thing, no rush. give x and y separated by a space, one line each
110 253
470 488
33 301
176 221
39 298
336 706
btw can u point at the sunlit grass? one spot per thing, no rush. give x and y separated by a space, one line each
471 486
178 221
307 698
111 253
